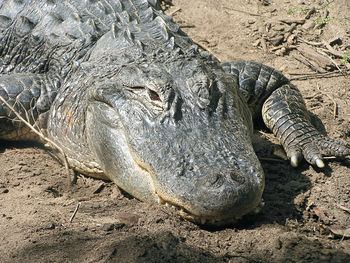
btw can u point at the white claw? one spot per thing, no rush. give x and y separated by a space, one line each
319 163
294 160
159 201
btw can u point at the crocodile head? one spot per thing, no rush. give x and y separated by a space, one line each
179 134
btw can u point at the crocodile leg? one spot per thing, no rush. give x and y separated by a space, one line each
31 96
284 112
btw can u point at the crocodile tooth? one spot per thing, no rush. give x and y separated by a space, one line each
203 220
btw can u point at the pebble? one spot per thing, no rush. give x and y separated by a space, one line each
277 40
308 25
251 21
5 191
119 225
128 219
278 244
108 227
281 52
279 28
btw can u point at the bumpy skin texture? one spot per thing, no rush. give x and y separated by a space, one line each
129 97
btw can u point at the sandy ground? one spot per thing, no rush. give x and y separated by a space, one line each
306 217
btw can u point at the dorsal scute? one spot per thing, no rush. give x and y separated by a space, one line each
146 15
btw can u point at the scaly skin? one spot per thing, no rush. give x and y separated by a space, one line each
129 97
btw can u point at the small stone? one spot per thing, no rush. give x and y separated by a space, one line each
251 21
5 191
281 52
277 40
16 167
272 34
159 220
119 225
279 28
278 244
128 219
255 28
52 226
308 25
36 173
108 227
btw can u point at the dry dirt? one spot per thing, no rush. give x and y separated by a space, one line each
306 217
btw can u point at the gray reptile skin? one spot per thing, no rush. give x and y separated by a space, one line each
129 97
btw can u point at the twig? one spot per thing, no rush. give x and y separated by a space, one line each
175 11
292 21
312 55
344 208
205 48
309 63
74 213
40 134
263 44
311 11
335 106
99 189
328 49
334 52
240 11
316 44
332 60
302 76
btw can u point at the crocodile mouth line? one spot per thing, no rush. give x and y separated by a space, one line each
208 220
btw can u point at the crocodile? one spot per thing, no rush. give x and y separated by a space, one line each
129 97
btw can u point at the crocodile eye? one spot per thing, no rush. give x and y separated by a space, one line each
153 95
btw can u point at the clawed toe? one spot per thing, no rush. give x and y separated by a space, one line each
314 151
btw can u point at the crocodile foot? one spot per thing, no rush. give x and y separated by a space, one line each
315 148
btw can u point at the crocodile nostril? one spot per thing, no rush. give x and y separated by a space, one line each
236 177
214 180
